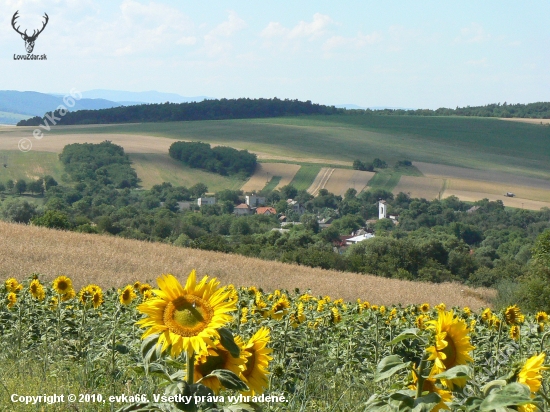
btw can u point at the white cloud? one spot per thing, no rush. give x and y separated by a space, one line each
311 30
356 42
216 41
474 33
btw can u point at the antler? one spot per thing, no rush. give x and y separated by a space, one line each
34 34
13 21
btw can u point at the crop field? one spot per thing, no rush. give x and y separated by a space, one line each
155 168
499 189
264 173
531 121
94 259
313 353
341 180
420 187
470 196
305 176
385 180
29 166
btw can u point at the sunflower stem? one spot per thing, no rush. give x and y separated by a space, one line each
190 377
420 374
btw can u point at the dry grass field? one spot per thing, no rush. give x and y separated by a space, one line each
114 262
499 189
469 196
337 181
265 171
428 188
532 121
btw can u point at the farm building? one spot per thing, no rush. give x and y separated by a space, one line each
201 201
254 201
266 211
359 238
296 206
242 209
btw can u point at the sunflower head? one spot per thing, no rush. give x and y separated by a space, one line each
91 295
486 315
70 294
280 308
218 357
425 307
137 285
53 303
127 295
257 357
186 317
335 316
514 332
144 287
530 373
37 290
452 345
513 315
62 285
541 317
12 285
441 307
420 321
12 299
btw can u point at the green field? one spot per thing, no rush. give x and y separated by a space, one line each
386 180
305 176
12 118
157 168
29 166
479 143
272 184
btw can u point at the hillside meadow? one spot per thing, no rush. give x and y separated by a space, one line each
113 262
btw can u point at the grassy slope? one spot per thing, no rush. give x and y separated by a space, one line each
272 184
29 166
482 143
305 176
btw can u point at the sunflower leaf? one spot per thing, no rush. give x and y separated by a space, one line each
513 394
228 379
389 366
150 350
406 334
426 403
228 342
460 371
243 407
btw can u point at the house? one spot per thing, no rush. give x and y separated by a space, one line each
242 209
201 201
359 238
472 209
296 207
254 201
382 209
265 211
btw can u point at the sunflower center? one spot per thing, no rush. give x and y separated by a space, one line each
212 363
450 353
62 285
126 295
188 315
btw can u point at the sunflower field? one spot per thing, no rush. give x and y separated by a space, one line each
202 346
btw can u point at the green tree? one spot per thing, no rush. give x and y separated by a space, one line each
289 192
21 186
198 190
541 251
18 210
52 219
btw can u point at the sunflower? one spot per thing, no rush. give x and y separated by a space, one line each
382 309
12 285
420 321
257 362
137 285
37 290
68 295
452 345
467 311
425 307
260 306
513 315
186 317
127 295
321 303
280 308
244 314
541 317
148 294
91 294
540 328
441 307
53 303
144 287
374 308
12 299
430 386
62 285
514 332
217 357
486 315
530 373
335 316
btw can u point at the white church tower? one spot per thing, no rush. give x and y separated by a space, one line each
382 209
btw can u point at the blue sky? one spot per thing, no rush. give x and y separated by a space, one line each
420 54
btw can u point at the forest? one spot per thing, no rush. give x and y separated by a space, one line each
220 159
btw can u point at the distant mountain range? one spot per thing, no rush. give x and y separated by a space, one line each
15 105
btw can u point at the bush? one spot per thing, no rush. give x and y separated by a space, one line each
53 219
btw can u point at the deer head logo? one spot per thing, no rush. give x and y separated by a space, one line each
29 40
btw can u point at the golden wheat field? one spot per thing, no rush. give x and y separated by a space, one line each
266 171
499 189
532 121
337 181
428 188
115 262
471 196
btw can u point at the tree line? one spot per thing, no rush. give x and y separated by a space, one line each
220 159
206 110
